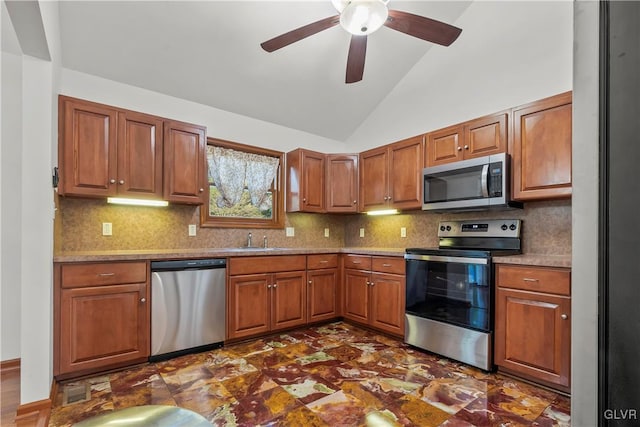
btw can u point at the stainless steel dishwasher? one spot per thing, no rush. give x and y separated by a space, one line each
187 306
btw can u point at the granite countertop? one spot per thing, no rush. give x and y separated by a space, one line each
162 254
541 260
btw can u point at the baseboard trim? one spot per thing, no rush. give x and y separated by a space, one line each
34 414
9 365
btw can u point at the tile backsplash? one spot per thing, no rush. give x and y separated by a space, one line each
546 228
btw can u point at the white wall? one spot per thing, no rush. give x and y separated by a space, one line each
531 58
11 191
584 293
220 124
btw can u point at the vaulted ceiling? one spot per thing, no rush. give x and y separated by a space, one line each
209 52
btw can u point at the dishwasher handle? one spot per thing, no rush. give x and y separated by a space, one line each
189 264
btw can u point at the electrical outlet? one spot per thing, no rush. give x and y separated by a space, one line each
107 229
326 232
192 230
290 231
362 232
403 231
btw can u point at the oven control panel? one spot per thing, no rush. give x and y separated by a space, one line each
481 228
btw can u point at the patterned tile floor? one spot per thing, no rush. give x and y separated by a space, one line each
331 375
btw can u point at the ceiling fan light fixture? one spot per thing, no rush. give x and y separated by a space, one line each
362 17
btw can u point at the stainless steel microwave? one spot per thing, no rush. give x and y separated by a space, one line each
474 184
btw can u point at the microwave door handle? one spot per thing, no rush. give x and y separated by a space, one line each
484 181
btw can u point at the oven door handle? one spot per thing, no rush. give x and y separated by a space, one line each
442 258
484 181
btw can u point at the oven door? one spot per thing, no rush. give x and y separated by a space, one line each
455 290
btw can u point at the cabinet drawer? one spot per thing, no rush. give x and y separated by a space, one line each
104 273
360 262
266 264
538 279
388 265
315 262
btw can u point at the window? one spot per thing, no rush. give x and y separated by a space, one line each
245 186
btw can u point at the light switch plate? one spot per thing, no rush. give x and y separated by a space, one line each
403 231
107 229
192 230
362 232
326 232
290 232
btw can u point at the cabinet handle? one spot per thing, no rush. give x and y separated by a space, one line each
268 286
324 261
356 262
143 300
526 279
372 284
275 286
310 282
466 147
121 182
304 199
202 190
459 148
386 265
106 274
355 201
112 181
368 283
564 316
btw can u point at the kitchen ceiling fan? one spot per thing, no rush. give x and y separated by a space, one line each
363 17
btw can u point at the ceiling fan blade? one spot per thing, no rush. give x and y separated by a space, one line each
423 28
355 60
300 33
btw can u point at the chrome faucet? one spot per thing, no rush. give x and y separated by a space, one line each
264 241
249 240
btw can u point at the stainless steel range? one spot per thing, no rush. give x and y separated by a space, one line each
450 289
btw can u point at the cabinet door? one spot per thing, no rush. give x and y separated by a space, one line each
313 175
322 296
541 155
533 334
305 181
387 302
248 307
485 136
87 149
184 163
374 179
356 295
342 183
102 326
405 173
139 155
444 146
289 300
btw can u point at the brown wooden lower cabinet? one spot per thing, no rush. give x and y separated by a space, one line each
265 294
533 323
261 303
373 297
101 320
322 294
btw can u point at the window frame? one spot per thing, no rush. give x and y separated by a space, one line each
277 220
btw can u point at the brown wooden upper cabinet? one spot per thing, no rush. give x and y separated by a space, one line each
185 173
305 181
342 183
318 182
479 137
107 151
541 152
390 176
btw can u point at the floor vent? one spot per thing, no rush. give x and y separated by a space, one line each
76 392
